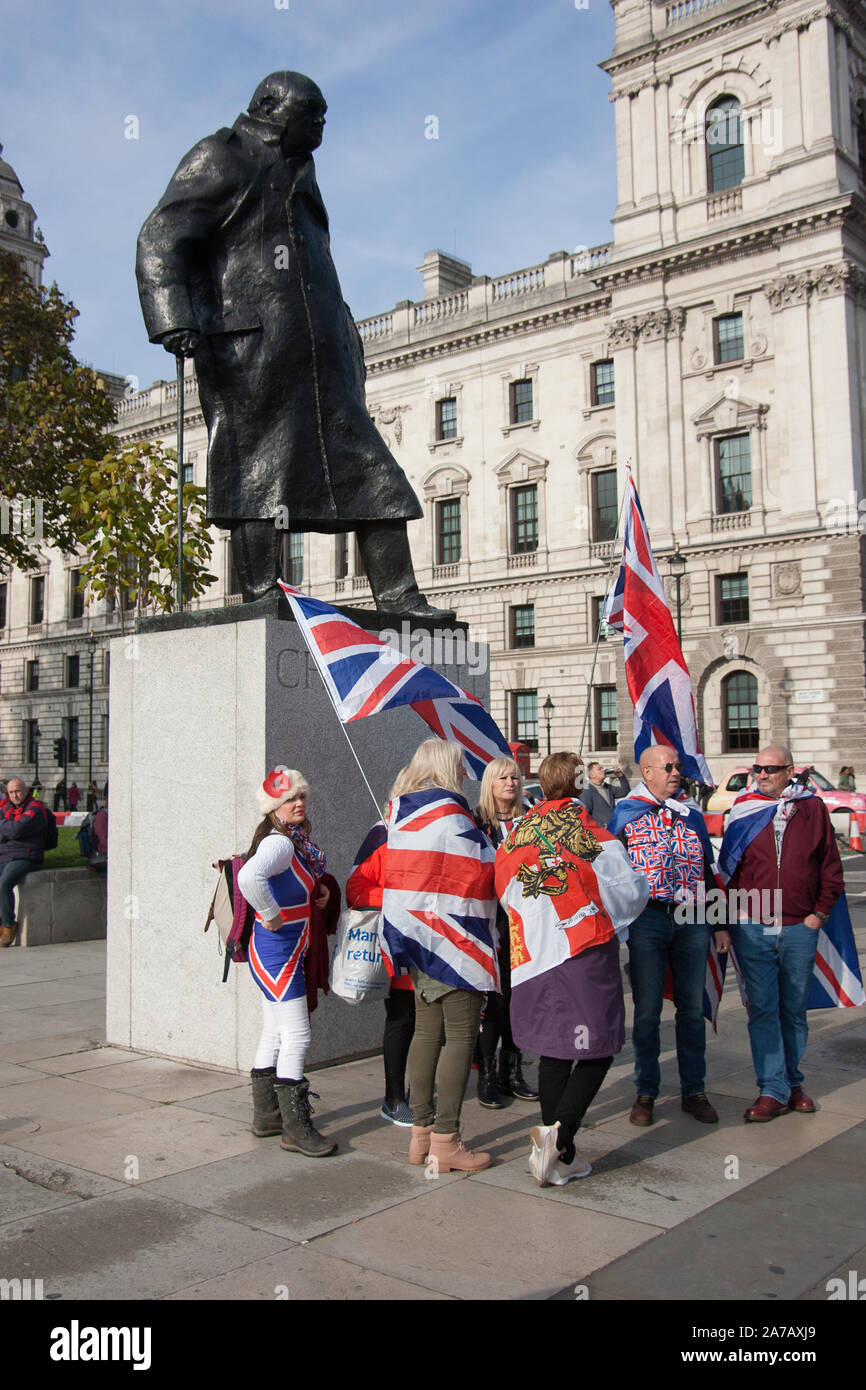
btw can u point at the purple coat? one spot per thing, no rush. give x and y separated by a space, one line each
576 1011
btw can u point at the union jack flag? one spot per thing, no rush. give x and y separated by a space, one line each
438 907
658 678
365 675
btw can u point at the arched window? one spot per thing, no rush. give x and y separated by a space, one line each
725 161
740 713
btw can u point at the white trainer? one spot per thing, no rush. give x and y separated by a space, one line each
560 1173
543 1152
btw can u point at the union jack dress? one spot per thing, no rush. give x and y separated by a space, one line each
276 881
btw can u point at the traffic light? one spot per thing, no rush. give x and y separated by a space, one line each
60 752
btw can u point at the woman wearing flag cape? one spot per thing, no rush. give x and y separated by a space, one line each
569 889
438 916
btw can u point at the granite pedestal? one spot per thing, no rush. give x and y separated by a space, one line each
203 704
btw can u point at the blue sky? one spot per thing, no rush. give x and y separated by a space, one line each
524 163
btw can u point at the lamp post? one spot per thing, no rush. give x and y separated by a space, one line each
36 737
548 708
91 646
677 566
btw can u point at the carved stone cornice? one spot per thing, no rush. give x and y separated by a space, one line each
840 277
803 21
623 333
788 290
652 326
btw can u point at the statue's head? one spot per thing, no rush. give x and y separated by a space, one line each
292 104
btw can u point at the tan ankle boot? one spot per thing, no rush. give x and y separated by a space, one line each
448 1153
419 1144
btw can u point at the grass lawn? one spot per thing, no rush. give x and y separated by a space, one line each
67 854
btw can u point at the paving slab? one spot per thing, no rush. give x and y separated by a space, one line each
55 1103
157 1078
29 1183
12 1072
127 1245
72 1062
832 1088
21 1026
297 1197
775 1239
304 1273
159 1138
852 1273
54 1045
44 993
476 1241
636 1179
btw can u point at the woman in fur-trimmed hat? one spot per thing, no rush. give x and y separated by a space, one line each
280 880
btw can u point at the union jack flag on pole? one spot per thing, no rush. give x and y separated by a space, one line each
658 679
364 675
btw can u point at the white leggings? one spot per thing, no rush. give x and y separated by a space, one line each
285 1038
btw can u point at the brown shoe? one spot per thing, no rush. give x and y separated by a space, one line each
798 1100
419 1144
700 1107
765 1108
8 934
642 1111
447 1154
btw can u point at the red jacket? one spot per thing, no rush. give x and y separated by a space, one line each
809 872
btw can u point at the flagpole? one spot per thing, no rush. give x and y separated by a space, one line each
598 633
351 746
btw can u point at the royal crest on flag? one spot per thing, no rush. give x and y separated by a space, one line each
658 679
365 675
438 907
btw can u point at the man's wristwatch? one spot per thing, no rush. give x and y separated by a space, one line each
823 917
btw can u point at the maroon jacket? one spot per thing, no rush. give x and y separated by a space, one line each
23 830
809 873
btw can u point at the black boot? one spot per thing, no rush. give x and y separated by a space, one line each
488 1091
384 547
299 1135
511 1078
266 1110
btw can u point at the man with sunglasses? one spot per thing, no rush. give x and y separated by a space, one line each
667 840
780 849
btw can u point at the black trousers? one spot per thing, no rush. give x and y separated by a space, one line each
497 1010
396 1040
567 1089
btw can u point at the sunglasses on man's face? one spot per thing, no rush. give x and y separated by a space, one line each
771 768
669 767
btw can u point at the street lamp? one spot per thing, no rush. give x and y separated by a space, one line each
548 708
677 565
91 646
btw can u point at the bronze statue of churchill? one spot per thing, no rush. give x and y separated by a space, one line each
234 268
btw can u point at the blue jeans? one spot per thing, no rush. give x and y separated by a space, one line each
777 965
656 941
11 873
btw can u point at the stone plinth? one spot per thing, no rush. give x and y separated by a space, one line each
202 706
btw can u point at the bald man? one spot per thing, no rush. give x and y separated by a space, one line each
667 840
23 831
791 870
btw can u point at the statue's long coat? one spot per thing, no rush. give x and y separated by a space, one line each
238 249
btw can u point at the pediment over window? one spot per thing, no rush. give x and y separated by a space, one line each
597 451
730 411
520 466
446 480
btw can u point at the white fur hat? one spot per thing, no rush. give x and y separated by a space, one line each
281 784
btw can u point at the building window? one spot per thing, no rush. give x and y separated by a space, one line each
446 418
605 716
73 671
520 393
524 717
4 590
524 519
604 505
76 595
725 161
601 383
733 598
31 681
728 338
448 531
734 473
31 739
600 629
296 558
740 713
359 559
861 138
341 556
37 600
106 667
521 623
71 731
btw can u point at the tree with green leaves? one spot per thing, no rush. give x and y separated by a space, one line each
53 412
123 509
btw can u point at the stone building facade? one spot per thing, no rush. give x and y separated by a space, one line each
717 344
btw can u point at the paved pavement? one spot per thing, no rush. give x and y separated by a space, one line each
128 1176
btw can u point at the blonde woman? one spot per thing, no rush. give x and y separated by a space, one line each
499 806
438 916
